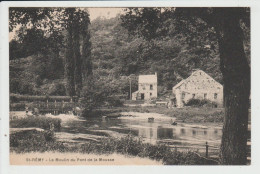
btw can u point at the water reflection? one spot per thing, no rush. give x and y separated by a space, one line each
194 132
159 130
164 133
182 131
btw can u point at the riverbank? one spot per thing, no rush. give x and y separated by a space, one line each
100 144
183 115
130 147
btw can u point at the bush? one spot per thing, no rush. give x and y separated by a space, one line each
200 103
57 89
17 107
130 146
37 142
34 141
36 121
114 101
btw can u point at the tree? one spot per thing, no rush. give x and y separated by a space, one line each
208 25
42 30
78 61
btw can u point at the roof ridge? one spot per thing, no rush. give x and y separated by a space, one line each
183 80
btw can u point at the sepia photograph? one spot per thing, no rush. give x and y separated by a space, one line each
129 85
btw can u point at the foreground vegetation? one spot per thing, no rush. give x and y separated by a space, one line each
34 140
36 121
129 146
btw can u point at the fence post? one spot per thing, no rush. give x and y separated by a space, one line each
62 106
207 150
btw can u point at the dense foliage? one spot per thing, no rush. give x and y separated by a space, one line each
200 103
227 26
54 46
36 121
116 58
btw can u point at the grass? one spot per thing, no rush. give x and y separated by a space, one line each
34 141
129 146
36 121
186 114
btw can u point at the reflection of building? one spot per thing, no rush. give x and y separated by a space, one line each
198 86
164 133
147 87
178 134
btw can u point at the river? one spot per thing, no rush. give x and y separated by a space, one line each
182 136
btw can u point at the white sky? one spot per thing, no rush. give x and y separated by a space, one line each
93 14
103 12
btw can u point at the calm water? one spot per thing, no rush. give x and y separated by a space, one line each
160 131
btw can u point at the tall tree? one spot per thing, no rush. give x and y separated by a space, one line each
236 77
224 25
49 24
76 53
69 55
86 48
78 50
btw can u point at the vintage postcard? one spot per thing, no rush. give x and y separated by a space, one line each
129 85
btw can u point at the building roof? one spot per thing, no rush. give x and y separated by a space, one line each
194 73
179 84
147 78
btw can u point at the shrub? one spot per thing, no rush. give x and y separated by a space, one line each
200 103
36 121
37 141
114 101
17 107
130 146
57 89
34 141
17 86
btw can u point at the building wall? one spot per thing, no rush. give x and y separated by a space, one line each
199 86
148 93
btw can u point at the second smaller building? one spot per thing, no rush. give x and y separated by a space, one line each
147 87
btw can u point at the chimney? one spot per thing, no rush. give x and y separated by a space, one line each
193 70
155 74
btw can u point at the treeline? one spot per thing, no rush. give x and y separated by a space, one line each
55 43
59 64
116 53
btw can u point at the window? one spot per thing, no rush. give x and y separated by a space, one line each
205 96
215 96
151 87
151 94
193 95
183 96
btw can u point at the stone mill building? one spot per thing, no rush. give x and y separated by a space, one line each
198 85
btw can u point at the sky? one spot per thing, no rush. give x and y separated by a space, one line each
93 14
104 12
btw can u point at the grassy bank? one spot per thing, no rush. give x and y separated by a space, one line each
36 121
191 114
129 146
187 114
